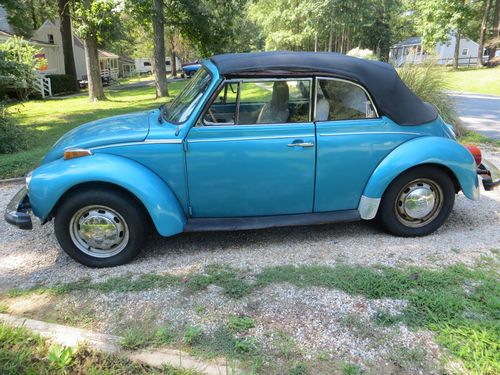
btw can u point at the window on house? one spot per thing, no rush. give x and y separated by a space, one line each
50 38
465 51
147 63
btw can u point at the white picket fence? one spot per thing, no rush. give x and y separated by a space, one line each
43 85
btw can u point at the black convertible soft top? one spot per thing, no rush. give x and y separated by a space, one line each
392 97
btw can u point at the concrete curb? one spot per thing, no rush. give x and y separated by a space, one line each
12 180
72 337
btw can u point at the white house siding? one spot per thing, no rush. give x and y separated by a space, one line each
446 51
53 53
4 21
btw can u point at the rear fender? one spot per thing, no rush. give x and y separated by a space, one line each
50 181
423 150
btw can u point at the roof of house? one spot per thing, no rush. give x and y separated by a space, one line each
102 53
5 34
391 96
415 40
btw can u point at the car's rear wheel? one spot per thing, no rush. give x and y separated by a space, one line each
101 228
417 202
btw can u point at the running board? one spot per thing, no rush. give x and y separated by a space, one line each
260 222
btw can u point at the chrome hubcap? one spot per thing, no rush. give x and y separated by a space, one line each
99 231
419 203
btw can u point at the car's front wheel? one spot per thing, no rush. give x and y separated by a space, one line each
101 228
417 202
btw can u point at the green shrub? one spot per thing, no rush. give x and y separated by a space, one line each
428 82
18 65
62 83
12 137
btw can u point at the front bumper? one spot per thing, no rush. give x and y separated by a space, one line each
16 212
489 174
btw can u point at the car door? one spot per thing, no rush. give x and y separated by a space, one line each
258 161
352 139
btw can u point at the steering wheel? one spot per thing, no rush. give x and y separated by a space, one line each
212 115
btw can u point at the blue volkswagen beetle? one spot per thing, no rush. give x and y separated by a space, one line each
253 141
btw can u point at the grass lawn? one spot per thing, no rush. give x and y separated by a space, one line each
22 352
48 120
480 81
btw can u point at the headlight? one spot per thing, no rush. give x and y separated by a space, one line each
27 180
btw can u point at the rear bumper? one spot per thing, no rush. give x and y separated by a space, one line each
489 174
16 212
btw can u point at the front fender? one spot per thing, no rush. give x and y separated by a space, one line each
50 181
422 150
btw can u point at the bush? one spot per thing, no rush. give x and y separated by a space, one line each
427 81
62 83
18 66
12 137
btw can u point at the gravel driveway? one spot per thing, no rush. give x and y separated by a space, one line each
315 317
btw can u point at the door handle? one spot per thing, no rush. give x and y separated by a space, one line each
301 144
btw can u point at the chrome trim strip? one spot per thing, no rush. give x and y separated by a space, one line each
351 82
249 138
368 207
145 142
363 133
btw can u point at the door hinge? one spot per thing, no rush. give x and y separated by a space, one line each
190 211
185 145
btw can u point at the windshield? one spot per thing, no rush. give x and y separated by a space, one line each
179 109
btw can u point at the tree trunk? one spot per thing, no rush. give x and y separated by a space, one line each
457 49
96 91
67 42
173 64
33 15
496 29
482 33
159 49
330 40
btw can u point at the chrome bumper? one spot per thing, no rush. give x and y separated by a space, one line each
17 210
489 174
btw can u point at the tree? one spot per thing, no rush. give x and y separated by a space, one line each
67 41
436 20
28 15
482 34
91 16
159 49
494 43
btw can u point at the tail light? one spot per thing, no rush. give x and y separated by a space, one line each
476 153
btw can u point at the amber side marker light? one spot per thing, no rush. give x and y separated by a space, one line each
73 153
476 153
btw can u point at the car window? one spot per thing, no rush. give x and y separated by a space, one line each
342 100
257 102
179 109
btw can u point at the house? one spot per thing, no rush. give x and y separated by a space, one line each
410 51
49 35
4 21
126 66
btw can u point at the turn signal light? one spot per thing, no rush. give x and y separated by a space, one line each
476 153
73 153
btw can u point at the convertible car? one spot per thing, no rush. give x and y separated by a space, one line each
254 140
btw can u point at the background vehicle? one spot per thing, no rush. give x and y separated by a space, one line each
254 141
190 68
145 65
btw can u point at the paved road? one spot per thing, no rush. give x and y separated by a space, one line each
480 113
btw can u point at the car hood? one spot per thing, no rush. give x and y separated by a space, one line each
132 127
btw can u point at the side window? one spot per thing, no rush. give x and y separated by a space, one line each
342 100
261 102
222 111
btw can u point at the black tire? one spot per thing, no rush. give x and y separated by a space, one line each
395 222
130 215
